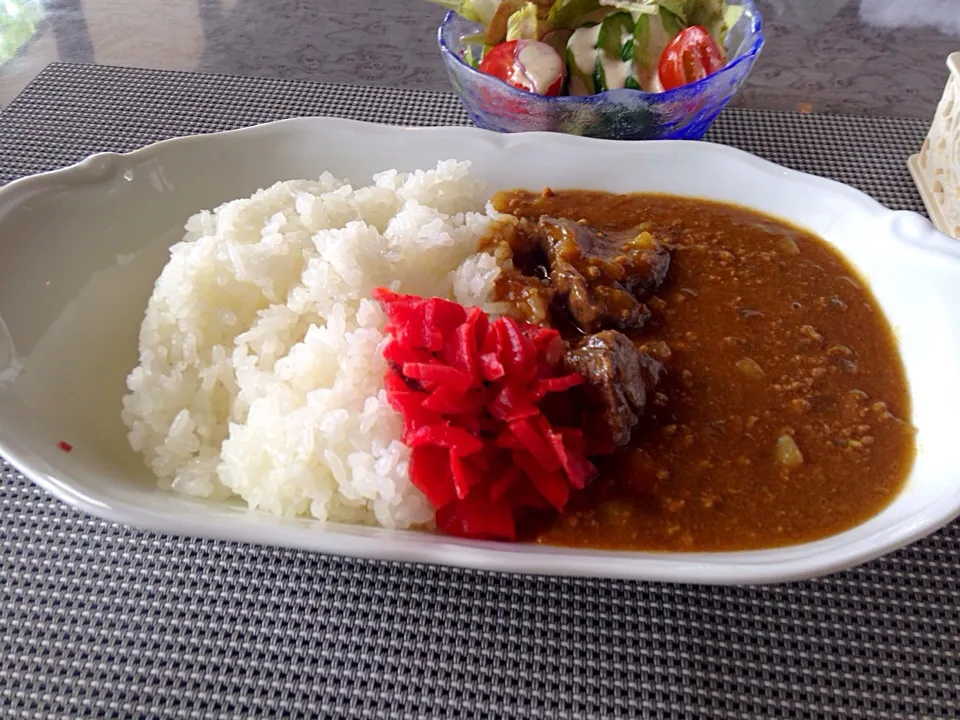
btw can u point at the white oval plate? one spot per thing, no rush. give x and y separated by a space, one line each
82 246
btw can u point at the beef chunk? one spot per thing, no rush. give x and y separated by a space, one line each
619 380
525 286
603 277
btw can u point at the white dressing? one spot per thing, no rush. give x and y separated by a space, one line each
539 65
581 55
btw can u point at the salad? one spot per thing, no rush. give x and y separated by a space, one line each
584 47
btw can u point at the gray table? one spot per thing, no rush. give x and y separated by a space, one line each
100 620
871 57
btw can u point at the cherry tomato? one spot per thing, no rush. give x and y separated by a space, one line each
528 65
692 55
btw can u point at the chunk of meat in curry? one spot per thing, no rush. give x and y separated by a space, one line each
786 414
579 278
602 276
620 382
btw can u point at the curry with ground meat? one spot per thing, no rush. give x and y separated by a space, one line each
775 410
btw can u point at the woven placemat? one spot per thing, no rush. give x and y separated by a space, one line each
100 620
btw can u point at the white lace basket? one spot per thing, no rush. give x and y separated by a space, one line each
936 168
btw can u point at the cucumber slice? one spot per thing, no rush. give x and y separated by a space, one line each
614 41
671 22
622 51
678 8
571 14
614 31
709 14
641 42
634 7
582 60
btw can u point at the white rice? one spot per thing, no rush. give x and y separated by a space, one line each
261 373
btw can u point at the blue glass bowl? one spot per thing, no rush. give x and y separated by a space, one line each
683 113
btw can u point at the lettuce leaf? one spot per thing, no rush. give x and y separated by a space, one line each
478 11
648 7
708 13
524 23
571 14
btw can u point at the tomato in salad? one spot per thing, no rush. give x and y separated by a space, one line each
528 65
692 55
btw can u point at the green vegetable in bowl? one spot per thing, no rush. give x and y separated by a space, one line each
620 52
558 39
615 45
572 14
478 11
712 15
582 57
601 56
524 23
471 58
608 44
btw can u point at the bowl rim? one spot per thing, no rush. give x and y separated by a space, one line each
759 39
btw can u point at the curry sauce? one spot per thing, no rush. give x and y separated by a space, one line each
787 416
